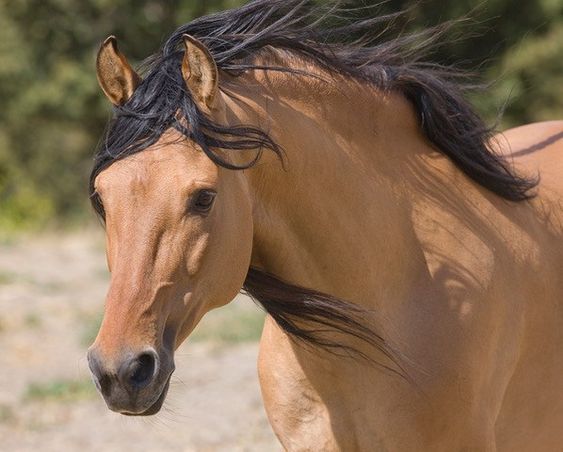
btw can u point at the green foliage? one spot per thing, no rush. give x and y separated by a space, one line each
52 112
529 75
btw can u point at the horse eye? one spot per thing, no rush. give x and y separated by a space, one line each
203 201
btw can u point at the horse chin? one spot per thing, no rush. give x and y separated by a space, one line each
156 406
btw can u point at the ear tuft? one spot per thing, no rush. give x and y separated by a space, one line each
115 75
200 72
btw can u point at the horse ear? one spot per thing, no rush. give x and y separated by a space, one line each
200 72
116 77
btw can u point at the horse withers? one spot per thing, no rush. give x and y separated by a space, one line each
409 260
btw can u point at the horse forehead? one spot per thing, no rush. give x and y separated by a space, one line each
144 171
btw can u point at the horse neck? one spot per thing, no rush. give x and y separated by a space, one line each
337 218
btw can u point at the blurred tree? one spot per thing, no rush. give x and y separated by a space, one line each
517 47
52 112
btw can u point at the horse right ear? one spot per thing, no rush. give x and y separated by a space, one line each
115 75
200 72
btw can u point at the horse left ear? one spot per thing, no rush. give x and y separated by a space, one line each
115 75
200 72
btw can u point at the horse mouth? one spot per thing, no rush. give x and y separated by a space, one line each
156 406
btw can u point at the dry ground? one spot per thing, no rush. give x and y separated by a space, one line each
51 295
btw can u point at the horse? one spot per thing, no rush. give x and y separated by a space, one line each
408 257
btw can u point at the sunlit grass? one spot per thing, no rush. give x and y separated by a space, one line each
6 414
7 278
32 320
235 323
63 390
239 321
90 326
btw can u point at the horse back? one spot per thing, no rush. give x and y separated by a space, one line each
537 151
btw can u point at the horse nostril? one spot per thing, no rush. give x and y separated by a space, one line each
100 377
139 372
143 369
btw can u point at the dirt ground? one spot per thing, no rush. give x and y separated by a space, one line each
51 296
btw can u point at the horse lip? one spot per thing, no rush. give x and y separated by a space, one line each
156 406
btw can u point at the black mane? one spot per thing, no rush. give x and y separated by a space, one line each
236 38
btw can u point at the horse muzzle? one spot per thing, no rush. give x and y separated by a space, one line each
134 383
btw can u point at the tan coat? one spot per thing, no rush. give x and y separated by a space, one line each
466 286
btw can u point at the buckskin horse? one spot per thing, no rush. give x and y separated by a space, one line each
408 258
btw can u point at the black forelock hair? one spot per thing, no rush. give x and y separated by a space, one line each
236 38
